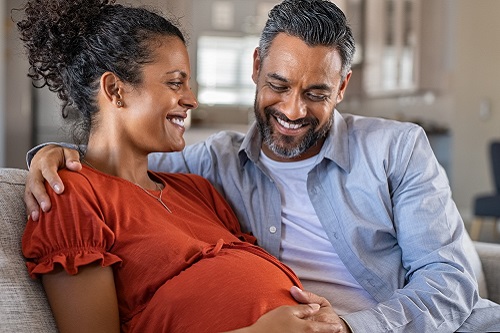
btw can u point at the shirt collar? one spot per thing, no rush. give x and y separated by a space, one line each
335 147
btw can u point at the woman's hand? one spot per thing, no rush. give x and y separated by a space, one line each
315 315
43 167
325 314
290 319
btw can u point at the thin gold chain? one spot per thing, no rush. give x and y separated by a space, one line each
159 198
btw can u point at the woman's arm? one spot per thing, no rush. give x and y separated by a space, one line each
85 302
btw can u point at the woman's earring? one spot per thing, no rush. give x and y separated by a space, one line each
119 103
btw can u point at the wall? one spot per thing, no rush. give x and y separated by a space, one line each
17 129
476 78
460 82
2 86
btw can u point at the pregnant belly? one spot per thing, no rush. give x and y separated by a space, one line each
228 290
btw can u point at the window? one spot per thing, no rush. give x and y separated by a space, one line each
225 70
391 46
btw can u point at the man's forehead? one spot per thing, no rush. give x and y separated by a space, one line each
290 59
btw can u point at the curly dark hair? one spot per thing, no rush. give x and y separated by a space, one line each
71 43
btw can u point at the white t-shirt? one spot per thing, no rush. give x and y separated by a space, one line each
305 246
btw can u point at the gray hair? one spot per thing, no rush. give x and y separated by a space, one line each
316 22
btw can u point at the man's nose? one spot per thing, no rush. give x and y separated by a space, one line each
293 106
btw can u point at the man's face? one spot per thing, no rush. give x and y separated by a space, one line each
298 87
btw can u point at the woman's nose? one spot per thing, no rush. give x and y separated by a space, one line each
189 100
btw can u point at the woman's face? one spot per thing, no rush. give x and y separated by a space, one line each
155 109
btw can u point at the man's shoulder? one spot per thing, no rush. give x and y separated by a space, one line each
357 122
225 139
221 148
218 144
381 128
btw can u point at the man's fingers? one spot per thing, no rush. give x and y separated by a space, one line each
305 310
55 182
35 195
306 297
72 159
31 205
40 194
44 166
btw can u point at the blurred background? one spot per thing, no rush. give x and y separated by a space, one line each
432 62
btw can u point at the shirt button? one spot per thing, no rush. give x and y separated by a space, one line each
272 229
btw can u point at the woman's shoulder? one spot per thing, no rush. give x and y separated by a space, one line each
86 180
74 178
178 177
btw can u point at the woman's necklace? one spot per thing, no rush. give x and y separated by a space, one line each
158 198
154 196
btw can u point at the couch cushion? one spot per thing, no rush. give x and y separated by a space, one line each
23 306
477 266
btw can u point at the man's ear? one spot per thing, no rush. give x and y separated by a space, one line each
343 87
256 65
112 88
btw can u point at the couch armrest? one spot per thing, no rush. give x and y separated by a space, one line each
489 254
23 304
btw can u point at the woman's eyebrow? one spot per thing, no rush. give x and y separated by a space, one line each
182 73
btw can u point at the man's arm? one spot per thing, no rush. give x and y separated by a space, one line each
439 290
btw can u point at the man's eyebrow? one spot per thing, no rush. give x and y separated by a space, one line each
278 77
321 86
318 86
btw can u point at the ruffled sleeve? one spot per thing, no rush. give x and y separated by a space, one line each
72 234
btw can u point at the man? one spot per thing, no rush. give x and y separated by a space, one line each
358 207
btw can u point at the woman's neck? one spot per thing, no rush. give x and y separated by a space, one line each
119 161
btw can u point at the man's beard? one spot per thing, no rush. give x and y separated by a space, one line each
284 145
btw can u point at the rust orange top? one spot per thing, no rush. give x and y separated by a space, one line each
191 270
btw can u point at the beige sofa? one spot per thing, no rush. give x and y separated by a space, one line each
24 308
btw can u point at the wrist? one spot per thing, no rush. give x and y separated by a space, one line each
346 326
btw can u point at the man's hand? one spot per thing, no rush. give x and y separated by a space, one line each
326 314
290 319
43 167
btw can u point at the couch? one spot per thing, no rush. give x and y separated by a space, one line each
24 307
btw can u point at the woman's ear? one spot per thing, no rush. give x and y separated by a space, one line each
112 89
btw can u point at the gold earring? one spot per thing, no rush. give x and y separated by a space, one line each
119 103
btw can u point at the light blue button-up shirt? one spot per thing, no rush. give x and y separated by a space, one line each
386 206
